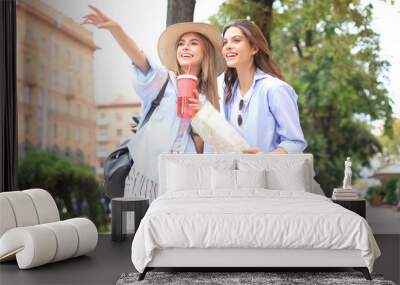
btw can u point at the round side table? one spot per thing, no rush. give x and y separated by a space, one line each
126 204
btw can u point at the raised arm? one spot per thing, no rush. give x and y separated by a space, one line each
101 21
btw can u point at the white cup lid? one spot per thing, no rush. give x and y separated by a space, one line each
189 76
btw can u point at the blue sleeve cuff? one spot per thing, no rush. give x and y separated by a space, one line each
293 147
147 85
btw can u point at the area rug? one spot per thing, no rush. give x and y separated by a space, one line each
244 278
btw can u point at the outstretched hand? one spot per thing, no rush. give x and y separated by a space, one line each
98 19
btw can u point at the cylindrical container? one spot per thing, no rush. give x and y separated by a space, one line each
186 84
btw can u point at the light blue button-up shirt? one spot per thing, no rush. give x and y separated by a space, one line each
270 115
159 133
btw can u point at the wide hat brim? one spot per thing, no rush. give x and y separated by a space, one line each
167 43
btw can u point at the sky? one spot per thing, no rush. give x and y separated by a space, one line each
145 20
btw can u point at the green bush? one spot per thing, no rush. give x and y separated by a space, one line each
74 187
390 188
374 195
398 191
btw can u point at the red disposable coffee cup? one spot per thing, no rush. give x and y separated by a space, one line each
186 84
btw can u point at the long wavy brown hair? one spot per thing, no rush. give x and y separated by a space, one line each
262 59
208 75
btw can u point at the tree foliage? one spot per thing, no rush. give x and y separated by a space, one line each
329 53
73 186
391 145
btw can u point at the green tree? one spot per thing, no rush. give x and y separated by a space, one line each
329 53
73 186
391 145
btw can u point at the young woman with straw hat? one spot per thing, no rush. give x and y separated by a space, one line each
181 47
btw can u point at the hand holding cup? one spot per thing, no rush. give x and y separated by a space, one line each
195 103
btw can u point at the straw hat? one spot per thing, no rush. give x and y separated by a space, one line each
169 38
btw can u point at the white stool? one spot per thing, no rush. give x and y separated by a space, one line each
32 233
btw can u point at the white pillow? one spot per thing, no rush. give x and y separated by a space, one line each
223 179
293 178
283 172
227 179
181 177
251 178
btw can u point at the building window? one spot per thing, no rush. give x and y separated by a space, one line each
42 43
53 102
83 138
60 105
78 135
54 79
27 69
39 99
68 54
55 131
29 37
26 125
102 132
56 50
27 94
41 72
39 115
79 86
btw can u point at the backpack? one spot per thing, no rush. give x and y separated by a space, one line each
119 162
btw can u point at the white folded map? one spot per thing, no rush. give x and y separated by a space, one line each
216 131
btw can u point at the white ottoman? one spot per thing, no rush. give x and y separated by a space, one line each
31 232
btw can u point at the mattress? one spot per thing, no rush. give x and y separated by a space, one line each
250 219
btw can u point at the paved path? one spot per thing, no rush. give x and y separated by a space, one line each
383 220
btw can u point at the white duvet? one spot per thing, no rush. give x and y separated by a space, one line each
254 218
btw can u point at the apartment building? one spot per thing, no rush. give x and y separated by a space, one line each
55 85
114 124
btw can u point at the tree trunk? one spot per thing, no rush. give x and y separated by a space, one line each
266 27
269 13
180 11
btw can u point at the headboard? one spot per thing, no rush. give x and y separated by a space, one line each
283 163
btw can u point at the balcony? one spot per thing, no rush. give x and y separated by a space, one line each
101 153
102 138
103 121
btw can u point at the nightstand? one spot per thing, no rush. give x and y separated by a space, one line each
356 205
126 204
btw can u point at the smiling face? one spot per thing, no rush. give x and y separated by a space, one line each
237 49
190 52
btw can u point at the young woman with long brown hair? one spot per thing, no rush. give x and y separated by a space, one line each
257 102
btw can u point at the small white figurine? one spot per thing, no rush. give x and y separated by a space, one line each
347 174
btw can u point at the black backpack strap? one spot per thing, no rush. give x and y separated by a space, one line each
155 102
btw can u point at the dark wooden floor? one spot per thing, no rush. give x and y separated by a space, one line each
102 266
110 260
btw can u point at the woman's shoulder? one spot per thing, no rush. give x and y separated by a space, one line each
271 83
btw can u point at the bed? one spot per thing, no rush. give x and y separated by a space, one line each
241 210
